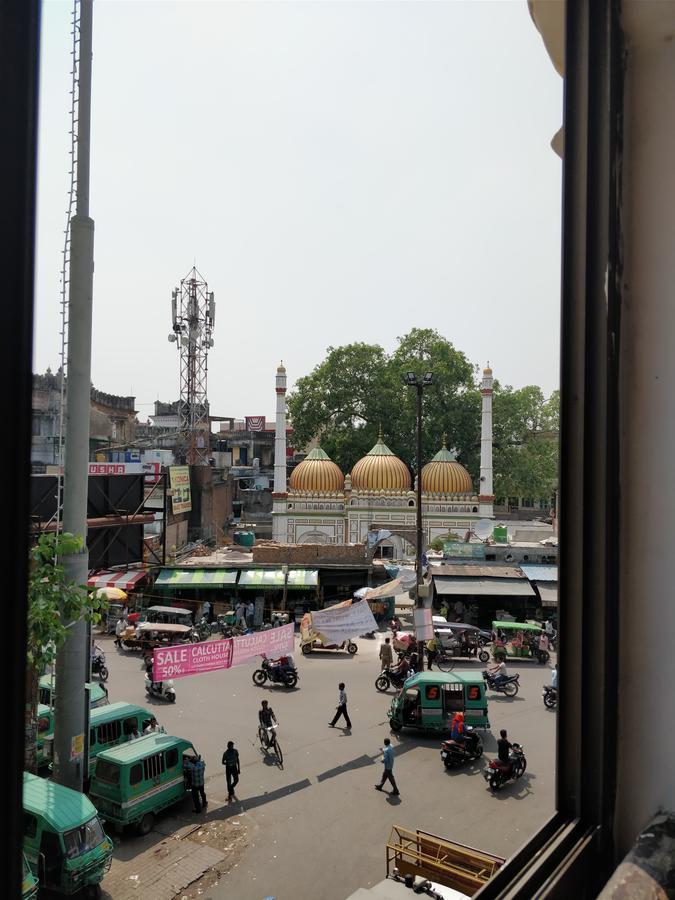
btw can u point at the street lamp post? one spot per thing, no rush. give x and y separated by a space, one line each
411 380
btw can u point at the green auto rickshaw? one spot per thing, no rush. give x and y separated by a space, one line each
428 701
521 641
63 837
98 694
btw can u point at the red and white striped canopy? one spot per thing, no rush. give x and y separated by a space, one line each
126 581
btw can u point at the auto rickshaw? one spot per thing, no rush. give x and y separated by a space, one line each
522 641
155 634
429 700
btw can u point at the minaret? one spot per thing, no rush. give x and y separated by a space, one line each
485 496
279 494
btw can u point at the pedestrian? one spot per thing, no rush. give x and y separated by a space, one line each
388 772
459 611
341 709
196 769
386 654
444 610
432 650
250 614
120 628
240 614
232 768
206 611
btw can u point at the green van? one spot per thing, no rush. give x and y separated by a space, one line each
63 837
112 725
98 695
136 780
29 883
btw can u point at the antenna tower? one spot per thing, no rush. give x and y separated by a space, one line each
193 314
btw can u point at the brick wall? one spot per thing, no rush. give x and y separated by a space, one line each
308 554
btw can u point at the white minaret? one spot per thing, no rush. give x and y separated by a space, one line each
485 496
279 494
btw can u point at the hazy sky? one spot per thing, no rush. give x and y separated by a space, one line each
340 171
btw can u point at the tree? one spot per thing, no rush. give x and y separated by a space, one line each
358 388
53 603
526 427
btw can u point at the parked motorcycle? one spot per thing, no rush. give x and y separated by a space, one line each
276 671
509 687
550 695
387 678
162 689
456 754
98 666
496 774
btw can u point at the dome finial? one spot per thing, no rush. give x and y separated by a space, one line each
445 440
380 436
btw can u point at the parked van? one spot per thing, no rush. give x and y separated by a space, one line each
63 837
45 735
98 695
112 725
136 780
29 883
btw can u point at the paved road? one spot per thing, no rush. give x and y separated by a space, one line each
318 828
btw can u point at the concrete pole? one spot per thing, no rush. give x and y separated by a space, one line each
419 601
485 491
73 661
279 494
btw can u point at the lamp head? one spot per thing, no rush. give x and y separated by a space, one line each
428 379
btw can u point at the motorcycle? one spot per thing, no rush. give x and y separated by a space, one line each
496 774
387 678
456 754
98 666
509 687
550 695
162 689
277 672
203 628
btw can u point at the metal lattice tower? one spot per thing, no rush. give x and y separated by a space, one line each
193 312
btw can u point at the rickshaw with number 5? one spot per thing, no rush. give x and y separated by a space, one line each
429 700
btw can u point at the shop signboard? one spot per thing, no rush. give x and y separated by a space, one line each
181 497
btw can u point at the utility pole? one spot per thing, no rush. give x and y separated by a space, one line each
71 725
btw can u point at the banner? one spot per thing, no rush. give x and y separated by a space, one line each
210 656
181 498
255 423
339 624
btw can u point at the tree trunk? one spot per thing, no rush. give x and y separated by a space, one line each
30 720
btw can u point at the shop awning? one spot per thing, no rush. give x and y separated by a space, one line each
261 578
125 581
483 587
540 573
196 578
302 578
548 593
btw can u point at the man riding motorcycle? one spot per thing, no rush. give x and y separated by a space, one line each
457 732
498 672
504 747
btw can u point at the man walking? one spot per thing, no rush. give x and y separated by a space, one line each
196 769
432 651
386 654
341 709
232 768
388 773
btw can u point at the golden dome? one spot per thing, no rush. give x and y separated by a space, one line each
444 475
317 473
380 470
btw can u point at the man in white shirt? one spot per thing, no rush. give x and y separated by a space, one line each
341 709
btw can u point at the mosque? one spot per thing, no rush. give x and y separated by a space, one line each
321 505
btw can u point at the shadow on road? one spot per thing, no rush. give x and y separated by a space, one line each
514 789
260 799
357 763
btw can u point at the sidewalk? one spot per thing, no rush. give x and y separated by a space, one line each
175 854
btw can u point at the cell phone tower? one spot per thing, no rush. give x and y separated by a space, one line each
193 313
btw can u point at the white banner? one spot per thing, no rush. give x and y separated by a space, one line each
344 622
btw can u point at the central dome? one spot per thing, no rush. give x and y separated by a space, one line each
444 475
317 473
380 470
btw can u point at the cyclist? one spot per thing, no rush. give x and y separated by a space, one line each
266 719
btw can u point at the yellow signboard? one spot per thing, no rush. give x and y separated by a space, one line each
181 498
77 746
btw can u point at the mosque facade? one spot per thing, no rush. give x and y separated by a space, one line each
321 505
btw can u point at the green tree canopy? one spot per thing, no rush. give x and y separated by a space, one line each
359 388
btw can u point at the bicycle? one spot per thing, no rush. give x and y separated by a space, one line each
269 743
445 661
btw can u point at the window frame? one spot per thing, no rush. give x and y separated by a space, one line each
573 853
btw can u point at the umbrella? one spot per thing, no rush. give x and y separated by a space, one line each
112 593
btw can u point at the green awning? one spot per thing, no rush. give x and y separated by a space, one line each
195 578
261 578
302 578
